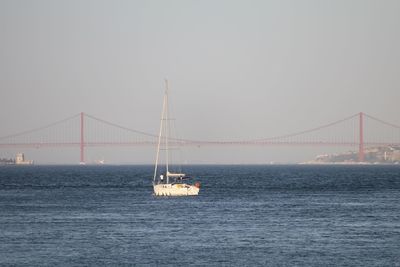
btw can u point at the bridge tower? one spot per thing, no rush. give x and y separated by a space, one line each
82 143
361 156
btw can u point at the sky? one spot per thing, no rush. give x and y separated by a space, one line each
237 70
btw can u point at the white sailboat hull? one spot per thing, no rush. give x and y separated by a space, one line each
175 190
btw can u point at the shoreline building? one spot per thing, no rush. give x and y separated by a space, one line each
20 160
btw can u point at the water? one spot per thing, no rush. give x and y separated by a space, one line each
244 216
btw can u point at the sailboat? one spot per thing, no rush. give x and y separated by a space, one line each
169 183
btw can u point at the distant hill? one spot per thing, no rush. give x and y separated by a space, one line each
382 154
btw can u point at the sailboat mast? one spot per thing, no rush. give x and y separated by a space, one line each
159 137
166 130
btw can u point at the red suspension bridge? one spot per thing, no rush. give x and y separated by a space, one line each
83 130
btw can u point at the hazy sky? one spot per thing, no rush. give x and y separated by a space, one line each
237 69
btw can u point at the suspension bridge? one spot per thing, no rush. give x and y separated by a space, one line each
84 131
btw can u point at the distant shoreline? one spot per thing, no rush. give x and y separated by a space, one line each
205 164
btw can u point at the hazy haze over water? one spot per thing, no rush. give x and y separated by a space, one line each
238 69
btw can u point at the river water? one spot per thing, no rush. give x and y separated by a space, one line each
244 216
